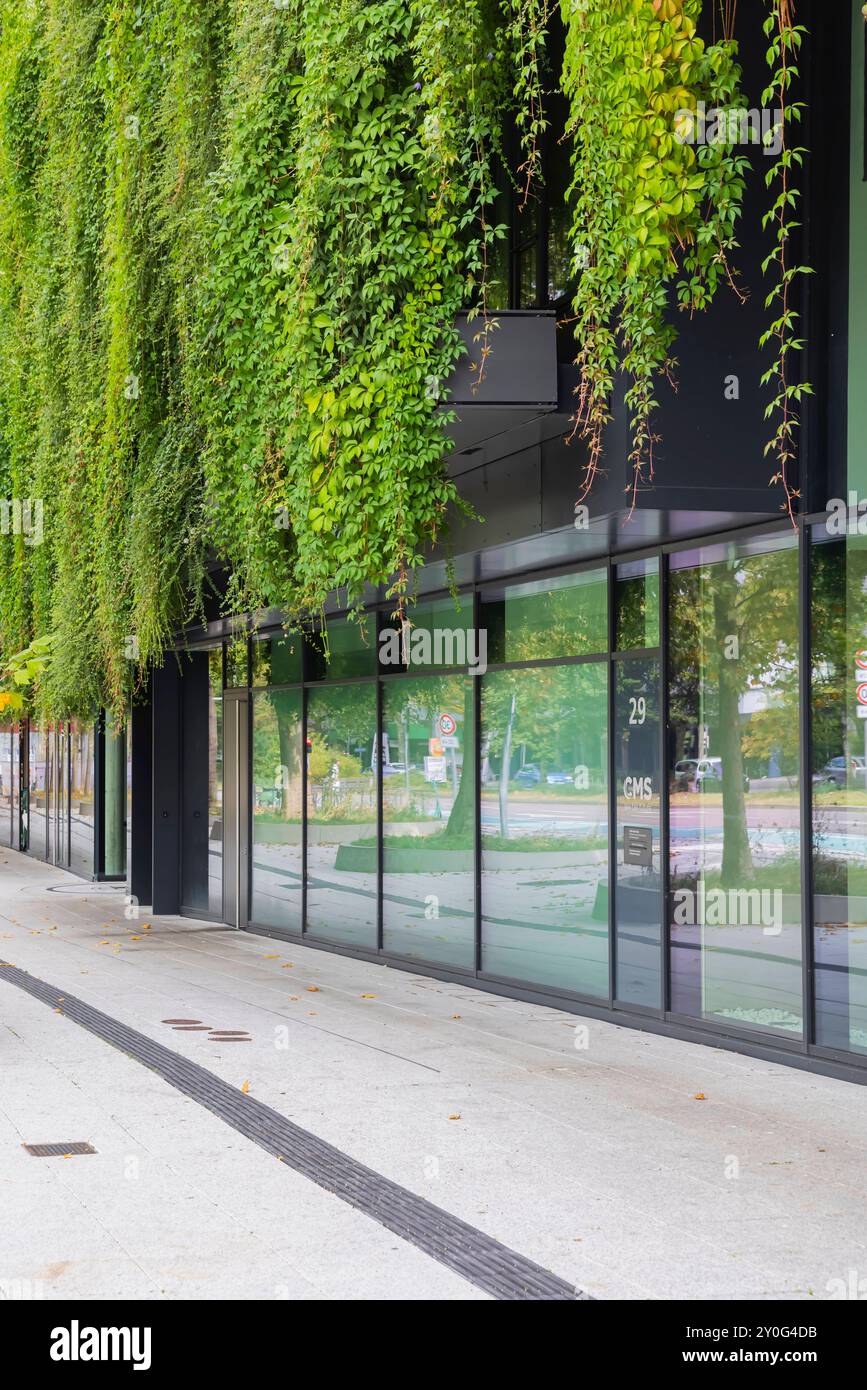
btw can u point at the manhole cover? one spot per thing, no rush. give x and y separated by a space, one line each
58 1150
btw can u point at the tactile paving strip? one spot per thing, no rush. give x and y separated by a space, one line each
493 1267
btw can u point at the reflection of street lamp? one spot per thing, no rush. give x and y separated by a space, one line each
504 772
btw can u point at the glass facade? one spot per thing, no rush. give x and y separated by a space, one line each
734 775
544 819
47 789
277 848
202 781
608 800
342 813
839 787
429 819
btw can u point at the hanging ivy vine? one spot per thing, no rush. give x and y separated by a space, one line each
649 206
234 241
785 38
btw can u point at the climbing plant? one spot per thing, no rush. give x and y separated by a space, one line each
651 207
235 239
785 39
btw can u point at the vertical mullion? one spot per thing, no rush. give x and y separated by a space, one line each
611 669
664 783
805 781
477 798
380 825
304 760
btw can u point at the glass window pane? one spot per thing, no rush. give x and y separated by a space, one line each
277 850
567 616
81 798
344 650
8 744
341 813
278 660
37 799
544 759
428 796
735 807
236 664
438 634
114 799
202 781
638 890
636 601
839 779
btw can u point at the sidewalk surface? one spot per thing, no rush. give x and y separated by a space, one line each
597 1162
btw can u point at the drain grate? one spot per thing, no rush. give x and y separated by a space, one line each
58 1150
493 1267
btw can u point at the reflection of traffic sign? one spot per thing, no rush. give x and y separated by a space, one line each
435 747
861 694
435 769
861 660
450 741
448 724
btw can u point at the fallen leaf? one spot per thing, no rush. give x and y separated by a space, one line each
135 938
245 1088
294 998
287 966
313 989
454 1117
455 1015
700 1095
105 943
368 996
274 957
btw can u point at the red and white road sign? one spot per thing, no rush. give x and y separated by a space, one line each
861 660
448 723
861 694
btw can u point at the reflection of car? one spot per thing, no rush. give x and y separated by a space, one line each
389 769
558 779
701 774
268 796
528 776
838 770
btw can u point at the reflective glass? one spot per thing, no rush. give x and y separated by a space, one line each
839 781
734 781
277 850
341 813
544 794
637 891
428 792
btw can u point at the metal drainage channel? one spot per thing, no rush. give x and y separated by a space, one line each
493 1267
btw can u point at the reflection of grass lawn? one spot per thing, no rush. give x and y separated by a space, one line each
839 796
781 797
783 875
532 844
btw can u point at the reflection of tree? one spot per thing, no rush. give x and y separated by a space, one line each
557 713
734 630
277 746
344 716
421 699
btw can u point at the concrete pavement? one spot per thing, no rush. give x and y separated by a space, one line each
581 1145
